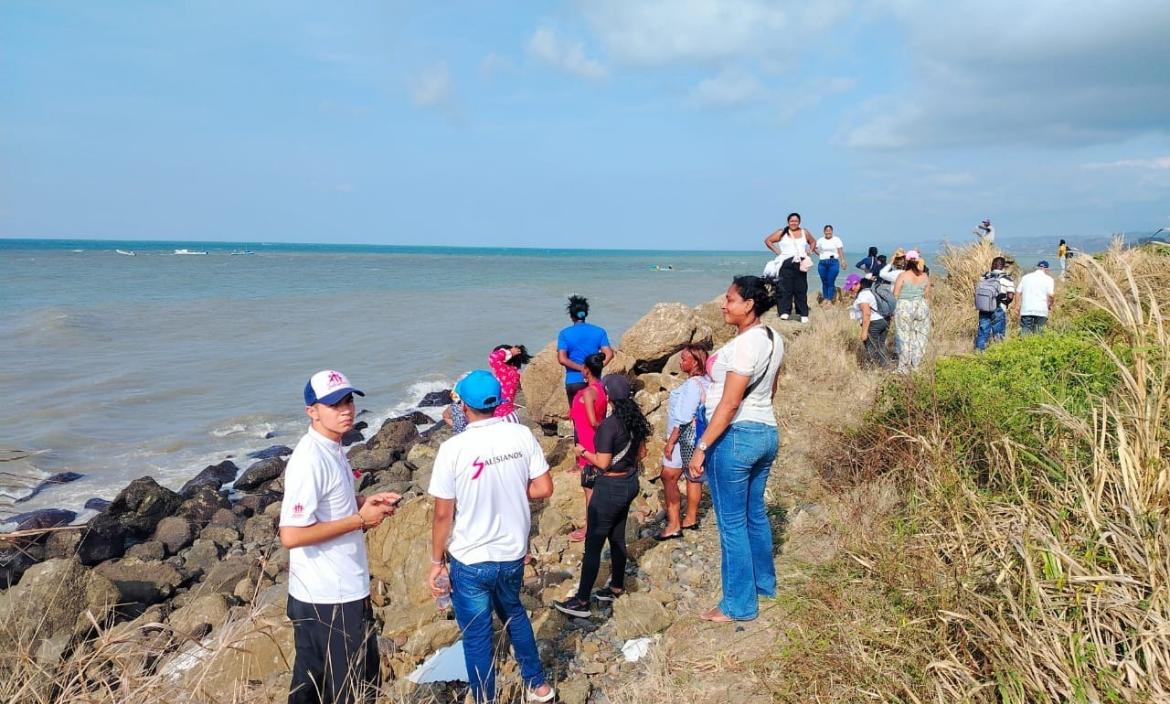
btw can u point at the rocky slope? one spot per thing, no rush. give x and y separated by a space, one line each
187 588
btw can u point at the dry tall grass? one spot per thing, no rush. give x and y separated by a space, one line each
1060 590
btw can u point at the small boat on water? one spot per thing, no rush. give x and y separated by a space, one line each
241 252
189 251
127 252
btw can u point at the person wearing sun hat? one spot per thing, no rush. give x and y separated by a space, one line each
321 524
1036 294
482 482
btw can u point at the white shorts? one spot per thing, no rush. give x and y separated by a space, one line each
675 461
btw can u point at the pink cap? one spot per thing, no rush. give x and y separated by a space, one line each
912 255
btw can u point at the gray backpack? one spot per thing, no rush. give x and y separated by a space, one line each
987 295
883 293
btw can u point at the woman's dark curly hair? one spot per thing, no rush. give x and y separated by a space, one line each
578 308
631 418
518 360
760 291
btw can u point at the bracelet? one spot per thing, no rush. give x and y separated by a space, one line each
365 526
436 562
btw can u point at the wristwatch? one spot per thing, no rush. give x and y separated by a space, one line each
702 446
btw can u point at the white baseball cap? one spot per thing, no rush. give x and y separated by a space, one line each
328 387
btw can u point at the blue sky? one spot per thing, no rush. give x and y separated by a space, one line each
611 123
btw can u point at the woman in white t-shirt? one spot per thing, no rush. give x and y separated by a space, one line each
791 245
738 447
873 324
830 253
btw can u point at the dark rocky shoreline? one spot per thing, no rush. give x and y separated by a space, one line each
204 565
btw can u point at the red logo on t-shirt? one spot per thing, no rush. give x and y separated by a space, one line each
478 464
298 508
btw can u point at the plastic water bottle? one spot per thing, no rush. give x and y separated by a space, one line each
444 601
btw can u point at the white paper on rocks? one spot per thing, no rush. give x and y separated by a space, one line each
634 650
446 665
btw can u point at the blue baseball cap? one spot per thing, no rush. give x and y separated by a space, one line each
1042 264
479 389
328 387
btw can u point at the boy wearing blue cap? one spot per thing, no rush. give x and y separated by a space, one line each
321 524
489 472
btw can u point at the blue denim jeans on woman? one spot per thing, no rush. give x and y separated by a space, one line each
737 468
476 591
828 269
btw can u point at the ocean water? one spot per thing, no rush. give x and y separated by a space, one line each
159 364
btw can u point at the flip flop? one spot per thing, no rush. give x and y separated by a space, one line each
672 536
694 526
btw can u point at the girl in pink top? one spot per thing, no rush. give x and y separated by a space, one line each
587 411
505 362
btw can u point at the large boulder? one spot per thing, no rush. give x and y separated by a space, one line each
214 476
366 459
52 606
202 503
394 434
103 538
175 533
661 333
543 380
249 648
142 504
638 614
711 314
399 551
14 561
142 581
260 472
201 615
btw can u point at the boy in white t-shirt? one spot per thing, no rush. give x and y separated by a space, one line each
1036 294
482 482
321 524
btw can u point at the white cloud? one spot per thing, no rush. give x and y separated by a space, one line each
728 89
1160 163
434 88
997 72
564 54
493 64
664 31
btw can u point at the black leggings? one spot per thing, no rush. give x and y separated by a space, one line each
606 520
792 288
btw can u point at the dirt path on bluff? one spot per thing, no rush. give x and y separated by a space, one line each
696 661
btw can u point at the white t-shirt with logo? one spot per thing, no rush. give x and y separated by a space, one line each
830 248
748 355
486 470
318 487
1034 290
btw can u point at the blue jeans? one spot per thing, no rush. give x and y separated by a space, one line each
828 269
477 590
992 327
1031 324
738 464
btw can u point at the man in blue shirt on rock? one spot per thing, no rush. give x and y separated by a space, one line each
577 342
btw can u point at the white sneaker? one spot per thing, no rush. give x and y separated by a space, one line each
534 697
784 316
804 318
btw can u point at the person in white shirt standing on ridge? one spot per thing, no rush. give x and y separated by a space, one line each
482 482
830 252
985 232
1036 294
321 524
